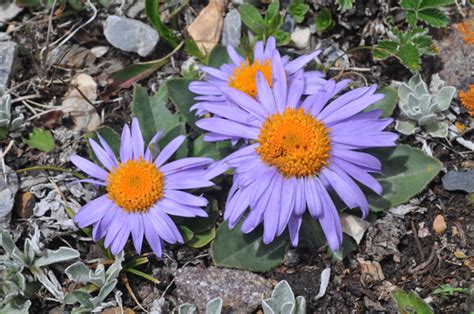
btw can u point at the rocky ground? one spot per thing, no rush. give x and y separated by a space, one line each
45 55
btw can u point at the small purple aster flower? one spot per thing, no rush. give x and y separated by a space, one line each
241 75
141 191
299 150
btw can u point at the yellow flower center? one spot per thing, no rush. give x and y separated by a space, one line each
294 142
135 185
244 77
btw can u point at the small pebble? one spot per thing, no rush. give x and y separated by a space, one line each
439 225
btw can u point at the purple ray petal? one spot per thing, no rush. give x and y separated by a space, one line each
169 150
88 167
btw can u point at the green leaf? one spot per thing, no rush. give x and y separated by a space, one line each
410 57
273 13
433 17
187 233
177 130
152 112
182 98
323 20
411 18
202 239
425 4
192 49
345 5
41 139
388 103
408 4
311 233
252 18
298 11
152 9
282 37
410 302
202 224
406 172
233 248
385 49
214 150
218 57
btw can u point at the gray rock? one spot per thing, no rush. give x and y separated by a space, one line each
8 11
242 291
130 35
301 37
7 56
4 36
232 29
136 9
288 24
8 189
383 237
459 181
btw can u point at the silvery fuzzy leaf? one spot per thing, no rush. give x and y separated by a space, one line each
8 309
29 252
18 256
60 255
421 89
415 80
444 97
5 124
300 305
288 307
104 292
428 120
79 273
406 127
187 308
436 83
8 187
81 296
49 281
403 91
413 109
6 242
214 306
325 276
17 122
98 277
267 306
5 107
439 129
424 103
281 294
114 270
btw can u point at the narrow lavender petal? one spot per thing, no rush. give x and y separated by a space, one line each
359 174
312 198
126 145
272 214
382 139
234 56
315 103
185 198
330 222
154 139
185 163
358 158
88 167
93 211
244 101
102 155
152 236
279 86
121 238
287 203
173 208
258 51
300 62
294 225
114 228
229 128
269 47
344 100
265 94
169 150
295 90
138 230
187 183
341 85
138 145
313 82
108 150
203 88
236 207
300 201
215 72
232 113
165 226
101 227
216 169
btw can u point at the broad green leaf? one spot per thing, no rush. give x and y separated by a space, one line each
408 4
28 3
410 302
345 5
410 57
233 248
298 10
218 57
385 49
192 49
433 17
202 239
272 13
152 9
41 139
406 172
152 112
411 18
252 18
323 20
182 98
311 233
187 233
388 103
214 150
434 3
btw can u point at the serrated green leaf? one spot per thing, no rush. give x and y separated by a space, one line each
406 172
433 17
152 112
323 20
410 57
233 248
408 4
182 98
388 103
252 18
385 49
425 4
41 139
411 18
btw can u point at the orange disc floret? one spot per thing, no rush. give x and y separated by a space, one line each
135 185
244 77
465 28
294 142
467 99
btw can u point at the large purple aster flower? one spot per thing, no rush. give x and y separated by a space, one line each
241 75
299 150
142 192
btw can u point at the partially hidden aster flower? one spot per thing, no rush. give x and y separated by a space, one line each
142 191
241 74
299 150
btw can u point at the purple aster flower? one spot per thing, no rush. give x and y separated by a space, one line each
300 149
241 75
142 191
